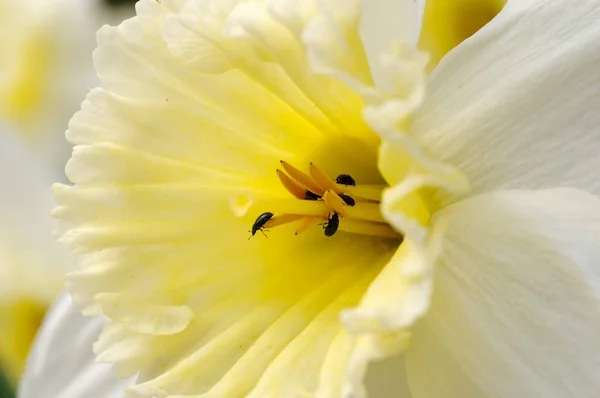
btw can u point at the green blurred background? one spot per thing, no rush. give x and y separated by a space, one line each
6 390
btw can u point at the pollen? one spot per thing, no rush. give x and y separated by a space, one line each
321 199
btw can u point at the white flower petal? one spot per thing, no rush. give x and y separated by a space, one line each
274 37
333 43
516 105
196 38
385 22
397 297
61 363
515 305
387 379
138 313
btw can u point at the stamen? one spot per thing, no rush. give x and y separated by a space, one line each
306 223
295 206
366 211
323 180
283 219
335 203
302 178
365 193
319 198
292 186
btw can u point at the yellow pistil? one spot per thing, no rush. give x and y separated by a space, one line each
319 197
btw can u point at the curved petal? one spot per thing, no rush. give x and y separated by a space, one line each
61 362
385 22
515 309
515 105
447 23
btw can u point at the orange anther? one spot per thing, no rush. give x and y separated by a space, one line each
292 186
283 219
335 203
306 223
323 180
302 178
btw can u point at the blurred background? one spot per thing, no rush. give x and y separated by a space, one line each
46 70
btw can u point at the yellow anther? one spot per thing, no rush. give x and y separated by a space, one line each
283 219
322 200
308 222
323 180
302 178
292 186
335 203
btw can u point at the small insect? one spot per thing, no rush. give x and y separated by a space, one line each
345 179
332 225
311 196
260 222
348 200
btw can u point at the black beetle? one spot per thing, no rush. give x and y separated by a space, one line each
311 196
345 179
260 223
348 200
332 225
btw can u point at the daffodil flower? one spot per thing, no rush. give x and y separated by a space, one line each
452 218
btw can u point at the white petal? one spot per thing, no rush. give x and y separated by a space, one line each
387 379
61 363
516 105
385 22
515 309
397 297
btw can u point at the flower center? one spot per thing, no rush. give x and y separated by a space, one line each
335 204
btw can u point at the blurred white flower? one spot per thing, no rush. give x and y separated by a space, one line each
46 68
45 71
32 265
